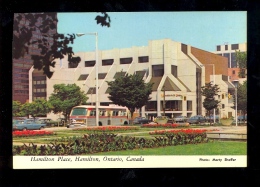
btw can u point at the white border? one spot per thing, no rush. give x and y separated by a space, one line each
58 162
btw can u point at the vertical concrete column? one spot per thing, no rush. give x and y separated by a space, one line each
184 107
143 111
158 103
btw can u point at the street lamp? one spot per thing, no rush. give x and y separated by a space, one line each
235 83
96 34
213 65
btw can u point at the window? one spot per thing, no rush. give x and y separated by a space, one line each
157 70
143 59
223 105
234 46
83 77
107 62
233 60
227 55
90 63
233 72
101 75
118 74
174 71
218 47
226 47
126 60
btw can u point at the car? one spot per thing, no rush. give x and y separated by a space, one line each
141 120
28 124
180 119
198 119
211 118
163 120
49 122
242 118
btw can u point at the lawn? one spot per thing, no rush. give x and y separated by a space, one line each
211 148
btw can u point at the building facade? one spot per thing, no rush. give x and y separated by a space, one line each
22 65
229 51
177 70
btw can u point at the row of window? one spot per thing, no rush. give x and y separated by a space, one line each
39 82
16 75
21 91
108 62
39 90
21 81
233 47
18 86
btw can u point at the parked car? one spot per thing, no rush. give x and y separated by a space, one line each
28 124
48 122
211 118
61 121
198 119
163 120
242 118
180 119
141 120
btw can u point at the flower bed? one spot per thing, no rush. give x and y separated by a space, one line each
103 142
29 133
186 131
108 128
166 125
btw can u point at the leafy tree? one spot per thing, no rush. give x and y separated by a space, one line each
26 109
209 91
65 97
130 91
241 59
17 112
39 107
241 98
43 23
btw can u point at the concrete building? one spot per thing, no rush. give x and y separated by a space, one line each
228 51
177 70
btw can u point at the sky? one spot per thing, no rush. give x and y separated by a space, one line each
203 30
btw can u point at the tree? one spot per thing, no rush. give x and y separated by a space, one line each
17 109
26 109
241 59
241 98
65 97
39 107
129 91
43 23
209 91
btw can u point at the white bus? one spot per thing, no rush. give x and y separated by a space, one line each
85 115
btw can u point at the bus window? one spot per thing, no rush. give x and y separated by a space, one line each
102 113
93 113
79 111
115 113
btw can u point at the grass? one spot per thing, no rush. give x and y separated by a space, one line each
211 148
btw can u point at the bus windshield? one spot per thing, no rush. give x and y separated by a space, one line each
79 112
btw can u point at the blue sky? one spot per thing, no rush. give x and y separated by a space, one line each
203 30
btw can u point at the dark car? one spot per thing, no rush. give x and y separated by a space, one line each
180 119
211 118
28 124
141 120
198 119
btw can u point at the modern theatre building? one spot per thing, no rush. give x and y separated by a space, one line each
177 70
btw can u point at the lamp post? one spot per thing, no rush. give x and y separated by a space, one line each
96 36
213 65
235 83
